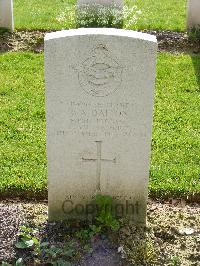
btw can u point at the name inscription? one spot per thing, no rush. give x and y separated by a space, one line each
97 119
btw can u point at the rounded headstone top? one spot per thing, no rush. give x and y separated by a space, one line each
101 31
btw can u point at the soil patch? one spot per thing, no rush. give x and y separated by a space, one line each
11 217
174 42
172 235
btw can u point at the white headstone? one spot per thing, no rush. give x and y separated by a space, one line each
117 3
6 14
193 18
99 104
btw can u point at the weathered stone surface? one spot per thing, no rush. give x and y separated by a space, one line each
6 14
99 104
193 18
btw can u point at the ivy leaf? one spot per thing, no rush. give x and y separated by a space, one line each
20 245
29 243
19 262
68 253
24 244
5 263
35 240
115 225
44 244
26 229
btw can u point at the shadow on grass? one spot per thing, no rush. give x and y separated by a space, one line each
23 194
196 64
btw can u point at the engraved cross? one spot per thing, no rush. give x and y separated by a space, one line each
98 160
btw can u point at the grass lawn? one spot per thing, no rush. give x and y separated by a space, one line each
58 14
175 156
160 14
176 136
23 123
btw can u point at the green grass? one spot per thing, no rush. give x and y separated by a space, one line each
23 124
160 14
40 14
176 138
176 142
58 14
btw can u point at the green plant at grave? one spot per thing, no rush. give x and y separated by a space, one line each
19 262
103 221
109 17
175 261
43 251
104 216
27 238
92 16
84 235
56 255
